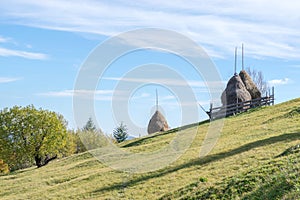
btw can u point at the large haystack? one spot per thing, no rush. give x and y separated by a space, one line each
250 85
157 123
235 91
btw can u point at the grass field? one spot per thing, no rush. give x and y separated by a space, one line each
243 165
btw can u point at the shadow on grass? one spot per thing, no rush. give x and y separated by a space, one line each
274 190
13 174
140 141
202 161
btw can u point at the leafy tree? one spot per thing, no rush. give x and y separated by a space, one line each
32 136
258 79
76 141
120 133
3 167
89 126
71 146
87 138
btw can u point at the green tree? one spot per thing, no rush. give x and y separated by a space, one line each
3 167
76 141
88 138
89 126
120 133
32 136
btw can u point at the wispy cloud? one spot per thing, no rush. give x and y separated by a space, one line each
141 96
4 39
217 25
70 93
24 54
6 52
275 82
163 81
115 95
8 79
189 103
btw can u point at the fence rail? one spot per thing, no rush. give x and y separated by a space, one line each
239 107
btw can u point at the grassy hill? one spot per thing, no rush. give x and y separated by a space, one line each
243 165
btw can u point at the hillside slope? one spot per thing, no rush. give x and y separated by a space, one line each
276 179
242 164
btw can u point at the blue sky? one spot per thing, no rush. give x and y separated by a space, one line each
44 44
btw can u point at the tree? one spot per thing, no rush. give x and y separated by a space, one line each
3 167
31 136
258 79
76 141
89 126
88 138
120 133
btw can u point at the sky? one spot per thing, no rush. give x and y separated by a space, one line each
45 44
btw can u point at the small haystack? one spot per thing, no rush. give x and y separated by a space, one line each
250 85
157 123
235 91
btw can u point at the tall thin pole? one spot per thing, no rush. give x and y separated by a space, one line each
156 100
235 59
242 56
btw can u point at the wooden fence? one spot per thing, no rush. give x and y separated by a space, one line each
239 107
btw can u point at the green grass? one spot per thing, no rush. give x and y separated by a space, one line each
276 179
242 165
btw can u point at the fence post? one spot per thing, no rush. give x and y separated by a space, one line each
273 95
210 110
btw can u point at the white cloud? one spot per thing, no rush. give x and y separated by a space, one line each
167 98
7 40
217 25
283 81
5 52
8 79
163 81
187 103
3 39
97 95
24 54
141 96
65 93
70 93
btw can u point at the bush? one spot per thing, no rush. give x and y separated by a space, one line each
3 167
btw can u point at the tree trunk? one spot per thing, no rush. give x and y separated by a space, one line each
48 159
40 162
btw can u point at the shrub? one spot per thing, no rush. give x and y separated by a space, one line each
3 167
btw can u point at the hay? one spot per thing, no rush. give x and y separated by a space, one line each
250 85
157 123
235 91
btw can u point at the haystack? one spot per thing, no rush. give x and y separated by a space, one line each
250 85
157 123
235 91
